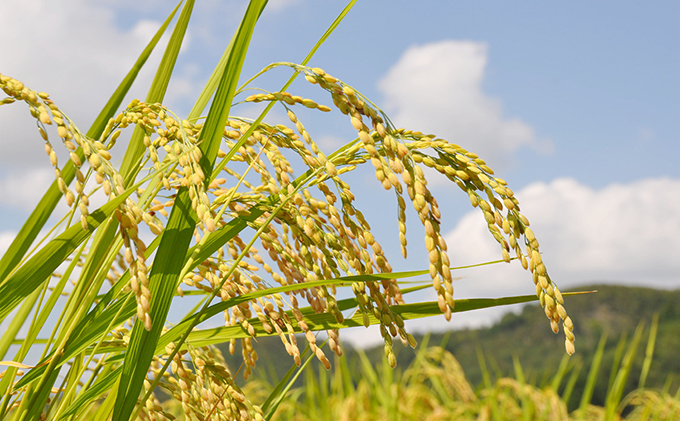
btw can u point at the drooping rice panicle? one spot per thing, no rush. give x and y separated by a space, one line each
308 226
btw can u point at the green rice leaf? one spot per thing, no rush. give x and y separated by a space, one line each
324 321
616 392
592 376
649 352
135 151
107 310
162 282
102 385
17 321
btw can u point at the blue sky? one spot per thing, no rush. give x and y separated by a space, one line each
576 104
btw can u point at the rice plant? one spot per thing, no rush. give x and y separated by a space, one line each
434 387
253 218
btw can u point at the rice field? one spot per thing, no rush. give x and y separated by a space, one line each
256 224
434 387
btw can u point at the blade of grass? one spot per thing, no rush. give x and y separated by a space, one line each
592 377
368 372
618 355
322 391
72 237
344 380
649 352
91 278
528 409
324 321
573 377
13 328
82 368
159 86
312 395
73 334
316 322
38 322
269 106
281 385
17 321
418 361
211 336
103 384
105 409
616 392
104 313
163 275
559 376
386 380
486 378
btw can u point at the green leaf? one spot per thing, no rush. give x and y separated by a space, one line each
616 393
30 339
135 151
102 385
17 321
163 280
326 321
592 377
649 352
107 310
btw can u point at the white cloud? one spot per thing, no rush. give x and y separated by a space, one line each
23 190
622 233
437 88
73 50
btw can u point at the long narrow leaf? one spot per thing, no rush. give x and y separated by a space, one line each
616 393
592 376
649 352
326 321
283 387
106 311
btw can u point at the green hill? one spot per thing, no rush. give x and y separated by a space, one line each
614 310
